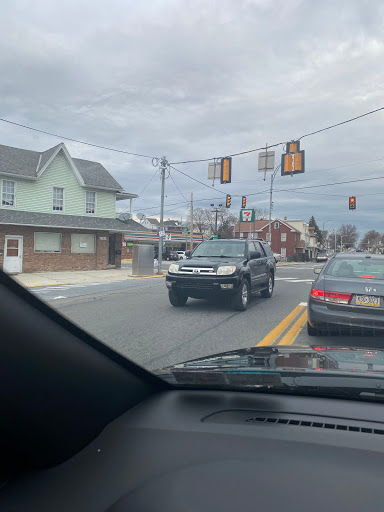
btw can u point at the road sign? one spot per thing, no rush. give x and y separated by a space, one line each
186 232
161 233
214 170
247 215
270 165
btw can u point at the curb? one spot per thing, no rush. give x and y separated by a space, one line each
148 277
42 285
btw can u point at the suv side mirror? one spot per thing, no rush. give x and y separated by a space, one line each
254 255
188 254
317 270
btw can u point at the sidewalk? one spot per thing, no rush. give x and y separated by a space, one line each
37 279
286 263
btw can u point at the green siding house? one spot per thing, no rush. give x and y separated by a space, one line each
58 212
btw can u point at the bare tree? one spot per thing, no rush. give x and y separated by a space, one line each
372 240
349 235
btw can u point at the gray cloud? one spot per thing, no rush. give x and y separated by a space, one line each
199 79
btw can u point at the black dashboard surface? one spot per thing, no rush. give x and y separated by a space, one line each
206 451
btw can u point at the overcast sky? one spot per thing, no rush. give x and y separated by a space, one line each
196 79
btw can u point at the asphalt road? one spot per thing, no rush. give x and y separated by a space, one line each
135 318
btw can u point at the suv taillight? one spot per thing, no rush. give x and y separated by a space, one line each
334 297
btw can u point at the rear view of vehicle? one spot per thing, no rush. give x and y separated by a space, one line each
349 293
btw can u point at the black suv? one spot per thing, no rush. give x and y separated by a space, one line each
237 268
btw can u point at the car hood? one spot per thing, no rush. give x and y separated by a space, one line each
289 367
211 262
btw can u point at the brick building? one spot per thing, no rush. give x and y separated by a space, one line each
285 238
58 212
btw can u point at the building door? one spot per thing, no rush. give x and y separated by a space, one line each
111 252
13 254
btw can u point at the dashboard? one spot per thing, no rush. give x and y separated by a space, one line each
209 450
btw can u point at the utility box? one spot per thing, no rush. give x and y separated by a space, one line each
142 260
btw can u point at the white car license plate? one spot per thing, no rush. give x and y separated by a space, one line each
367 300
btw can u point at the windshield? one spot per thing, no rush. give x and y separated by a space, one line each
220 249
174 176
356 268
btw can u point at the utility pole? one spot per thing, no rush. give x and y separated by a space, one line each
335 241
273 176
191 248
163 168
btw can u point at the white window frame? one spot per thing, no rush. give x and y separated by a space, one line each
44 233
283 252
276 225
283 237
14 194
53 191
268 237
86 202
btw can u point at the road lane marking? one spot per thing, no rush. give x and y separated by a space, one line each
294 331
302 281
303 304
272 336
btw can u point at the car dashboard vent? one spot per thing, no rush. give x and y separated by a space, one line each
295 420
315 424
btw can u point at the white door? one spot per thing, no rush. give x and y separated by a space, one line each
13 254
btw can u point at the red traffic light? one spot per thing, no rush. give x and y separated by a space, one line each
352 203
243 202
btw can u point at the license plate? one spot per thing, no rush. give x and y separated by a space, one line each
367 300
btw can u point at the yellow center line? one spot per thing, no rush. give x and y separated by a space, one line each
280 328
294 331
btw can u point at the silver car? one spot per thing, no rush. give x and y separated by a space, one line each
348 293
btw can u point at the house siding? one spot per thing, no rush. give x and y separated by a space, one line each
36 196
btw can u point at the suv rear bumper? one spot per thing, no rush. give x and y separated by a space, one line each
201 287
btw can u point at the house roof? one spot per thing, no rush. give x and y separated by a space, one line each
24 163
259 225
155 222
52 220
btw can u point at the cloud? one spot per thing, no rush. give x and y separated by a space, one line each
201 79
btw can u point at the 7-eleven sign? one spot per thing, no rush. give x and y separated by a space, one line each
247 215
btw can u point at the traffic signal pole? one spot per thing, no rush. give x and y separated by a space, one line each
273 176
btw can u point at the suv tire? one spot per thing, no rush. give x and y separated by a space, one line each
241 298
176 299
267 293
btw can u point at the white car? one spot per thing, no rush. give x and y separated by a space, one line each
181 255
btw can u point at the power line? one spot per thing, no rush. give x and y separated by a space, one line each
284 142
75 140
194 179
147 184
177 187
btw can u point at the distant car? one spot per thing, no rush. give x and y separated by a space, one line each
172 255
277 256
181 254
347 294
322 257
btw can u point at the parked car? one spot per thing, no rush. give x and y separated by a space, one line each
348 293
171 255
181 254
235 268
322 257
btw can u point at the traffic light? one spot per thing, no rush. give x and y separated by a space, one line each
352 203
228 201
226 170
243 202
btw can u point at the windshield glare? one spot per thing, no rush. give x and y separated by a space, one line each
220 249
